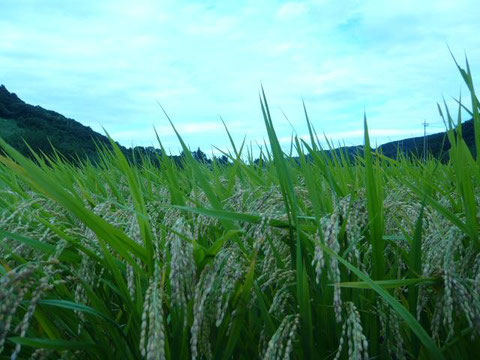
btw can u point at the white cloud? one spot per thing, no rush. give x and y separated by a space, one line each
184 128
200 128
291 9
212 26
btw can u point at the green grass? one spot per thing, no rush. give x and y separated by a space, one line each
311 258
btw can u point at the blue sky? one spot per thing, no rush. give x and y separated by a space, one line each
108 63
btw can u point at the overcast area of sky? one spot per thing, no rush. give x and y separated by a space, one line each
108 64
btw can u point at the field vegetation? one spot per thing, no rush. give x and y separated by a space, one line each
313 257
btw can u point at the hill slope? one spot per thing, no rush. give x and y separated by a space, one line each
21 122
437 145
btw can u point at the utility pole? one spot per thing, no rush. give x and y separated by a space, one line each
425 124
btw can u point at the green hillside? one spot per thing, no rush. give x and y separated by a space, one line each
21 123
9 128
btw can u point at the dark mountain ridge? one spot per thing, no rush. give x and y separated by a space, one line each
22 123
40 128
435 145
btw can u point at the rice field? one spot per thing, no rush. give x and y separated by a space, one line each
315 257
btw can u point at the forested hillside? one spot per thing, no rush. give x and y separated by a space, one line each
21 123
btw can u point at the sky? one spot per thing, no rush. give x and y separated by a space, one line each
109 64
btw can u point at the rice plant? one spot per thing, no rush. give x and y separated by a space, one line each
313 257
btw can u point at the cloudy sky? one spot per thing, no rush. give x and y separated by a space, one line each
109 63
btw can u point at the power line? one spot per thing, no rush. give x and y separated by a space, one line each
425 124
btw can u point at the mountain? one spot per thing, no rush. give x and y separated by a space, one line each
21 122
436 145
